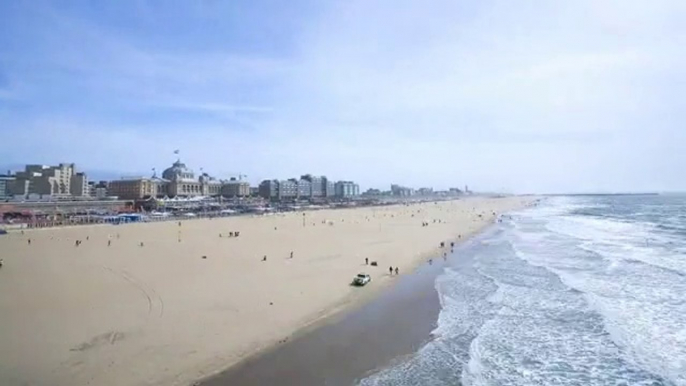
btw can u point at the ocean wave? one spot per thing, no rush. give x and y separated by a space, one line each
560 297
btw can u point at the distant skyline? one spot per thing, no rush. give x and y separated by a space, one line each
526 96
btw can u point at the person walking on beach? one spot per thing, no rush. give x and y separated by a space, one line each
291 254
390 270
109 242
396 271
29 240
366 261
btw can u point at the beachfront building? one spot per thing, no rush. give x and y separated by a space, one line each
288 189
425 191
137 188
346 189
372 192
401 191
235 188
98 189
320 186
79 185
58 181
269 189
304 189
5 186
317 185
182 182
330 189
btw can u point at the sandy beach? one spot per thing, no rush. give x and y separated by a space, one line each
150 310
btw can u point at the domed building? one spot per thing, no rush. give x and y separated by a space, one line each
182 182
178 171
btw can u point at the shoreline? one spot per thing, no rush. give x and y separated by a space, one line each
346 346
289 362
199 317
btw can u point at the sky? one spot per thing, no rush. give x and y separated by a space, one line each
507 96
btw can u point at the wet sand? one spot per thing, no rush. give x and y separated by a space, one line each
345 348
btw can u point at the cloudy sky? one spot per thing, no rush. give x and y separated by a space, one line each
517 96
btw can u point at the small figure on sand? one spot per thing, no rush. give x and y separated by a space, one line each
390 270
431 261
366 261
141 244
109 242
396 271
29 240
291 254
88 238
2 262
230 234
264 258
452 244
442 244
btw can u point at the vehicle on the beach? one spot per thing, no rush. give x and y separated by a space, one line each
361 279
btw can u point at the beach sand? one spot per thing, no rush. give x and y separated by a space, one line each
161 314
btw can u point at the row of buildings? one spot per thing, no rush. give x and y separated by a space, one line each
64 182
39 180
307 187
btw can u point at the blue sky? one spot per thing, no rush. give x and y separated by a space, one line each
526 96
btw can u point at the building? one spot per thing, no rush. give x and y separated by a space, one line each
79 185
137 188
330 189
425 191
234 188
288 189
210 186
6 183
305 189
269 189
372 192
182 182
317 185
98 189
346 189
401 191
49 180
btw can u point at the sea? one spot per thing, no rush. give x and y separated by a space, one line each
579 290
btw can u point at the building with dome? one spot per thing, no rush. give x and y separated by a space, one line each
177 181
182 182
